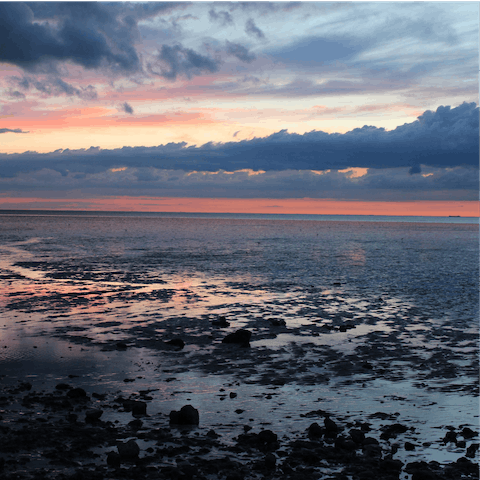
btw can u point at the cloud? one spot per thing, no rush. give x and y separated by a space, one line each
253 30
387 184
9 130
54 86
127 108
222 17
177 60
446 138
90 34
240 52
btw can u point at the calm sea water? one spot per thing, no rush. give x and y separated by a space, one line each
410 285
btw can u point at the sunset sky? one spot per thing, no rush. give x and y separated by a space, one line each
367 108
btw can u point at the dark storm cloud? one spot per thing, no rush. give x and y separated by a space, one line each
240 52
9 130
177 60
253 30
127 108
446 138
91 34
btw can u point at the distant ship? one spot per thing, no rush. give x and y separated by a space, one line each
454 216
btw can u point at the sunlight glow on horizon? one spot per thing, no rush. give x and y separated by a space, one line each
260 206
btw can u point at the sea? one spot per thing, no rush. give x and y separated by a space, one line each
355 315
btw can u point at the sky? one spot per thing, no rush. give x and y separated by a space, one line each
288 107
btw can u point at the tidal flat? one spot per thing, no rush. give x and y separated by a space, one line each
362 360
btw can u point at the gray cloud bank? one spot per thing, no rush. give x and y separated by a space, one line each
446 138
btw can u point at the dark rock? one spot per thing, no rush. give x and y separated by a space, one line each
270 461
468 433
391 431
137 407
72 417
221 321
176 342
114 459
121 346
315 430
212 434
267 436
330 425
128 450
342 443
77 393
93 414
471 450
240 337
357 436
233 394
409 446
186 416
467 467
63 386
391 465
450 437
277 322
135 424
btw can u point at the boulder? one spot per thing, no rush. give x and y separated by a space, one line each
315 430
113 459
186 416
93 414
128 450
176 343
221 321
240 337
77 393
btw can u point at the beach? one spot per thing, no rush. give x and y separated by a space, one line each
361 362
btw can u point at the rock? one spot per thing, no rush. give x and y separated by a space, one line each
233 394
277 322
467 467
186 416
114 459
342 443
135 424
409 446
137 407
450 437
176 343
315 430
77 393
121 346
330 425
357 436
240 337
93 414
471 450
128 450
468 433
267 436
270 461
63 386
391 431
221 321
